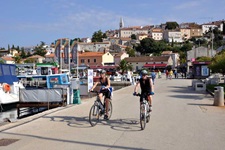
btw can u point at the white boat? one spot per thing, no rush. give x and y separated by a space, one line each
9 84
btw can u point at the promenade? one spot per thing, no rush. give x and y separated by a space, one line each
182 119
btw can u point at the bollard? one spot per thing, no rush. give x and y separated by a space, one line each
218 96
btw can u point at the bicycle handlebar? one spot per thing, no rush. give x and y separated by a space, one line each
138 94
94 92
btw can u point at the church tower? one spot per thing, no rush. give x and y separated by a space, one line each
121 23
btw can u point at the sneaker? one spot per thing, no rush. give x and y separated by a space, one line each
106 117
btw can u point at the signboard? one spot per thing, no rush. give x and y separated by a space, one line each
205 71
90 79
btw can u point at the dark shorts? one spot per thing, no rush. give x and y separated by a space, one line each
106 93
144 96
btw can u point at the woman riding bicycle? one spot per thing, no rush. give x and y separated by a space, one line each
104 91
147 88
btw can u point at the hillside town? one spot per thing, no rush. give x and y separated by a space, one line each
159 47
135 87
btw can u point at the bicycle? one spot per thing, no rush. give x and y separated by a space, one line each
98 109
144 111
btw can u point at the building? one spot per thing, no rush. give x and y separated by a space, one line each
173 36
8 60
185 33
212 25
37 58
156 34
141 36
128 31
95 59
196 52
153 62
196 32
120 56
174 56
92 47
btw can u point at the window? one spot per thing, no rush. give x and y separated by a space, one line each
88 60
82 60
95 60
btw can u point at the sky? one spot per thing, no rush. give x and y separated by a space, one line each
28 22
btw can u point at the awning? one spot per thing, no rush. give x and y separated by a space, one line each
155 65
103 67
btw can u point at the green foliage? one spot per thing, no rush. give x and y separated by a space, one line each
133 36
204 58
186 47
2 62
17 59
171 25
23 54
98 36
130 51
30 60
211 87
124 66
218 63
40 50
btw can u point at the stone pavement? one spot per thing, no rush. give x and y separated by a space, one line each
181 119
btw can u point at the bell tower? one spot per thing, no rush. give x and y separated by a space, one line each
121 23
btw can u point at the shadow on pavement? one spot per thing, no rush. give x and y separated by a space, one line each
200 104
185 97
75 142
128 124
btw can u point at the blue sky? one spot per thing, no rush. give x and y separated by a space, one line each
27 22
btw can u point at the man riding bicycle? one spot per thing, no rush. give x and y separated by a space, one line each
104 91
147 88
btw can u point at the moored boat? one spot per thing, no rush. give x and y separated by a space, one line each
9 84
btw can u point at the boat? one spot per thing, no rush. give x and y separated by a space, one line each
9 84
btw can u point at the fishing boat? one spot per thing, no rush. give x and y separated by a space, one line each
9 84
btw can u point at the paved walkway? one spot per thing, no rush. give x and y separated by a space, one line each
181 119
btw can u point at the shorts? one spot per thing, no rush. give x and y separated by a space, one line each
106 93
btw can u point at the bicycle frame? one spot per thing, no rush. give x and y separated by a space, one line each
98 109
144 114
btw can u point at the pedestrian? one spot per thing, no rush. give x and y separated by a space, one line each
167 74
175 73
153 75
170 74
159 74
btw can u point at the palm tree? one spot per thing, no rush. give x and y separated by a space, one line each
124 66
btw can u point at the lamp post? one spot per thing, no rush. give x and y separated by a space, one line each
212 43
69 57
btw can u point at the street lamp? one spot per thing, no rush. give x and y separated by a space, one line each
212 35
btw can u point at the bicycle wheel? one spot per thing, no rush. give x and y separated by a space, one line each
142 116
110 109
94 115
148 117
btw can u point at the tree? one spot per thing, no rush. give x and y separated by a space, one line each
98 36
23 54
218 64
17 59
124 66
30 60
40 50
133 36
130 51
2 62
171 25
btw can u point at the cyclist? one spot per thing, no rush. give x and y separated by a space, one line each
147 88
104 91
